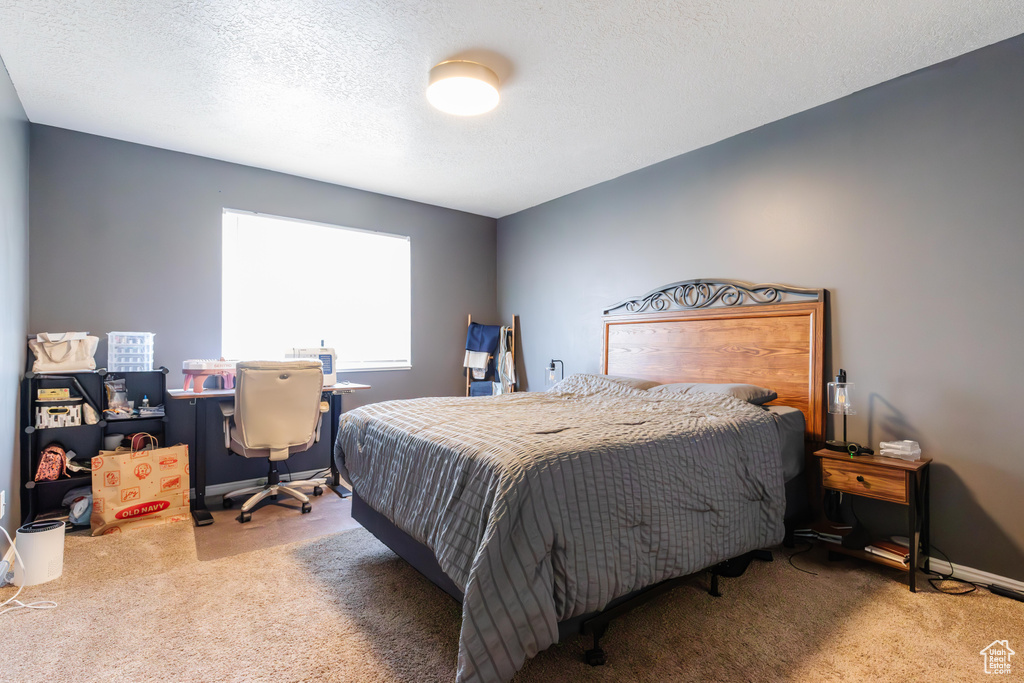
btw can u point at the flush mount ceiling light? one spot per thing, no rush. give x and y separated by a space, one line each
463 88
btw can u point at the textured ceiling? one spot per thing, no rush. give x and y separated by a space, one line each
591 89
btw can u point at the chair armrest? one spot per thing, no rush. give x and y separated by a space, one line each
227 408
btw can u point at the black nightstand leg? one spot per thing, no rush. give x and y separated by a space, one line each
912 537
926 532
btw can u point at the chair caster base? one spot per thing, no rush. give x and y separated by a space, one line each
317 491
306 507
244 517
227 503
594 657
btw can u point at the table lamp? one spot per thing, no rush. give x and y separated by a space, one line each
839 404
549 373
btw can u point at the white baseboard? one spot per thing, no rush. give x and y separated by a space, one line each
221 489
973 575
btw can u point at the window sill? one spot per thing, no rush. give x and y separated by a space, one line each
390 368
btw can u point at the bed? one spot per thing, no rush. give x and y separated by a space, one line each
546 514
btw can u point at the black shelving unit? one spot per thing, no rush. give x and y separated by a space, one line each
43 498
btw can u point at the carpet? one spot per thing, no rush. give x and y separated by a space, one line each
141 606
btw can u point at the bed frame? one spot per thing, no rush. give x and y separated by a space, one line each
715 331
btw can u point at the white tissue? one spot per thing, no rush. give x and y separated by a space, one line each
904 450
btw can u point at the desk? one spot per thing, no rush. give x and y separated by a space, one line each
200 513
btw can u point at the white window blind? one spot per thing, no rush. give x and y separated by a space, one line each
290 283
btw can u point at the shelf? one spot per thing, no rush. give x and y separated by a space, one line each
59 430
41 499
865 555
61 516
824 526
105 371
827 527
58 375
77 476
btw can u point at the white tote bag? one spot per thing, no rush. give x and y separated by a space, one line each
63 352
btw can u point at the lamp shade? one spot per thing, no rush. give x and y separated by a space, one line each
840 398
552 375
463 88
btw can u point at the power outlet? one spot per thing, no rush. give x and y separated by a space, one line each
3 503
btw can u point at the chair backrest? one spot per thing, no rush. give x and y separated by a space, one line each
277 404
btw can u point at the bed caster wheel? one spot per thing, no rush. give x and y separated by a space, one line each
317 491
595 657
244 517
227 502
306 507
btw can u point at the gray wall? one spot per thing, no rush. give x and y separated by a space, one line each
14 137
904 200
127 237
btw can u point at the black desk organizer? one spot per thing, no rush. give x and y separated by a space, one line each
43 498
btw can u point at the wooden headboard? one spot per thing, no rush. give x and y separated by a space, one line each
725 331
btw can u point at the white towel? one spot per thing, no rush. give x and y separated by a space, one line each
476 359
506 363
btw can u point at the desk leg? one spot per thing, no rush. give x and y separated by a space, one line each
335 474
200 514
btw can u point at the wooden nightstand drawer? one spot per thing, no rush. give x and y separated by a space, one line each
864 480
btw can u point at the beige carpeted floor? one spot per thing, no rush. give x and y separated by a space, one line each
142 607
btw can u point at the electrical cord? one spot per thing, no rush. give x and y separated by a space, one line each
941 578
18 604
810 546
312 476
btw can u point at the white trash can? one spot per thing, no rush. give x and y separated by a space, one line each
41 546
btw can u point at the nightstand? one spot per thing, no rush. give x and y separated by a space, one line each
890 479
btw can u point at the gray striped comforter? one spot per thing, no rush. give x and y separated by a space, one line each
546 506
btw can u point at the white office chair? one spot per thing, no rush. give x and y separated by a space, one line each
277 411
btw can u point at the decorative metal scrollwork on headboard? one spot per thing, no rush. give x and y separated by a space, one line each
692 294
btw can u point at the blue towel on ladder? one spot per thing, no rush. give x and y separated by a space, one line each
481 388
482 337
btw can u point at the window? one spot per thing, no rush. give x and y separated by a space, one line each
290 283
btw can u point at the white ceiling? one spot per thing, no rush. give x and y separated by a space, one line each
591 89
